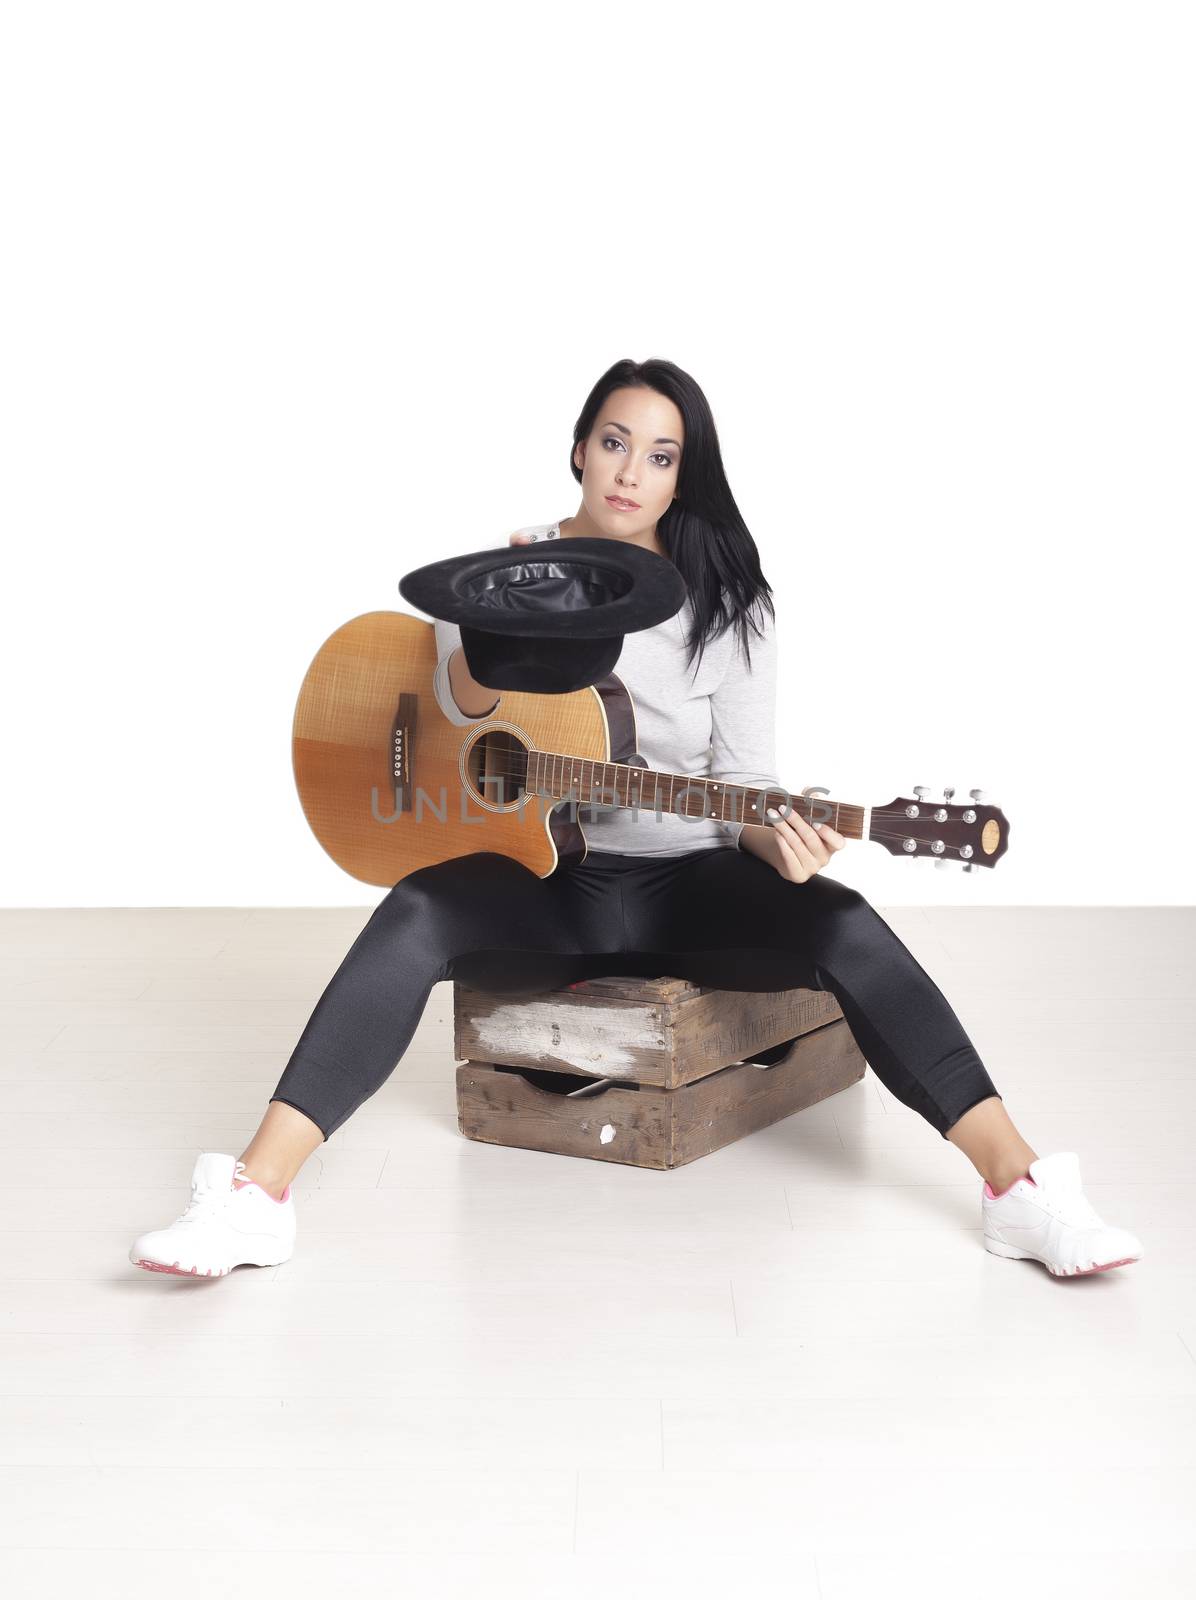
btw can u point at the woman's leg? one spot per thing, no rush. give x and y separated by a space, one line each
484 918
727 919
284 1140
988 1138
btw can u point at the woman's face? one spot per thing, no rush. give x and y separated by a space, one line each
632 454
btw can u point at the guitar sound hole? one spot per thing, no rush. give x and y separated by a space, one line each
497 768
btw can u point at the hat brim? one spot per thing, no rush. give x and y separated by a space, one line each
585 589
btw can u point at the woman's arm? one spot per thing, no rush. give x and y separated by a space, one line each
743 732
743 719
458 693
471 696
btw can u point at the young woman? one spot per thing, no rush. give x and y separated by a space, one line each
721 904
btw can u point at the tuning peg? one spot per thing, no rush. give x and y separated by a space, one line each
977 795
921 790
947 793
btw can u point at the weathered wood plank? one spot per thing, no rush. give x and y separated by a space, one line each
646 1125
665 1032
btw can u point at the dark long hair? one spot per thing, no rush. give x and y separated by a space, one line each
703 532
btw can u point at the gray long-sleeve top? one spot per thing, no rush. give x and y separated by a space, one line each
715 720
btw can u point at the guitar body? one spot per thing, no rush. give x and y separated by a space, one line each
388 784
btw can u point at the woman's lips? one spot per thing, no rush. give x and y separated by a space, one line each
620 505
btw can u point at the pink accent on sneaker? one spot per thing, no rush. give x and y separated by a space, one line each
279 1200
181 1272
988 1188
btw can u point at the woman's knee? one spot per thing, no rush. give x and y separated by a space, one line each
827 901
445 882
445 904
840 923
416 912
837 893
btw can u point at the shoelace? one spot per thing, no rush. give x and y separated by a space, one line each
1073 1207
205 1203
1079 1210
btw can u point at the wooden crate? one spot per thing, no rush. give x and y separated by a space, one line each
660 1031
614 1089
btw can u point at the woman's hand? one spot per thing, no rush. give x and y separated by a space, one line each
803 848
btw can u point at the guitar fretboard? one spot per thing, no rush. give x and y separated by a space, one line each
609 783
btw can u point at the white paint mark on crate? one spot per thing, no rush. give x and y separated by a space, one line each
609 1037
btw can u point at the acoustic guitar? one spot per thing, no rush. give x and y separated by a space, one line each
388 784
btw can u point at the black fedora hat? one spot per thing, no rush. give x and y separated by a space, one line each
547 623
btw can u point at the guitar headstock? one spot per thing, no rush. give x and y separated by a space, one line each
973 835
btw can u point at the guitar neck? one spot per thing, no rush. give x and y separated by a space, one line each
555 776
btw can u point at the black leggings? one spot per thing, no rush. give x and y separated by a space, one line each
721 918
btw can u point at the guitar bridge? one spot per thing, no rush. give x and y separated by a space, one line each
402 749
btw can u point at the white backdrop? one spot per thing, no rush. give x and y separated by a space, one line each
298 297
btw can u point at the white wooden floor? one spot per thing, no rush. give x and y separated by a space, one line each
790 1366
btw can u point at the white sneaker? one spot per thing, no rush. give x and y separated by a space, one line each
1047 1217
230 1222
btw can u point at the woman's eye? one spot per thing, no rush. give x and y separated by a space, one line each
658 455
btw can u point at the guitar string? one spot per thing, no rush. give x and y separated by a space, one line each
520 772
696 783
874 832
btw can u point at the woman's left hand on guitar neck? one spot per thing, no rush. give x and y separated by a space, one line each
804 850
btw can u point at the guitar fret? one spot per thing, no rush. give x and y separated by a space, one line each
589 782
